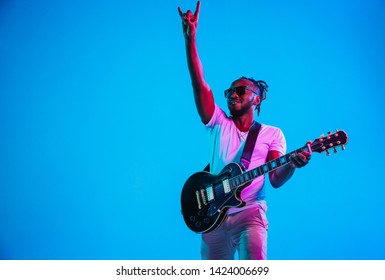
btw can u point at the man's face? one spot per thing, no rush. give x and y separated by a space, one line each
241 97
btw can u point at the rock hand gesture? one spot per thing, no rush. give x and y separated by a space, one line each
190 21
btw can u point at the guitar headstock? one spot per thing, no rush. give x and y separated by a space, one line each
331 141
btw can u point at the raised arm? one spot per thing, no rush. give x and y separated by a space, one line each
204 99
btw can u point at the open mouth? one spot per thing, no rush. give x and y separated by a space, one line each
232 102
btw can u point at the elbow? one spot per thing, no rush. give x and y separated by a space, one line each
276 185
280 176
276 181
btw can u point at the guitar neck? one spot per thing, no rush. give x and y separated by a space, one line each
269 166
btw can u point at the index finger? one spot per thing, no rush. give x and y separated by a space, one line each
180 12
196 14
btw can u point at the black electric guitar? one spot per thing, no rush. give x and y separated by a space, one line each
206 197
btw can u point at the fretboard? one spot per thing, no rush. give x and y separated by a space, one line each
269 166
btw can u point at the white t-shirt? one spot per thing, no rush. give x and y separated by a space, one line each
227 143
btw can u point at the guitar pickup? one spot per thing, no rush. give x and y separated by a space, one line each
226 186
210 193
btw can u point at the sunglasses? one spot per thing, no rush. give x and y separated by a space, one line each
241 90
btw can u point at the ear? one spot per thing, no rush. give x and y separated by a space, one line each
257 100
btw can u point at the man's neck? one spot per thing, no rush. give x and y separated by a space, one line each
243 123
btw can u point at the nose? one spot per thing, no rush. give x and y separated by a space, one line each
233 94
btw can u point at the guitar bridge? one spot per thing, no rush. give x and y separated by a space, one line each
198 199
204 197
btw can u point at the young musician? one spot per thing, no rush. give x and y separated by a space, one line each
243 229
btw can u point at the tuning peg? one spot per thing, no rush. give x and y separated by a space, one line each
335 150
327 152
336 133
343 147
322 135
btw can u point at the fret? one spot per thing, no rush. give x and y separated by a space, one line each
255 173
237 183
247 176
268 164
287 157
260 170
265 169
233 183
252 175
244 177
241 179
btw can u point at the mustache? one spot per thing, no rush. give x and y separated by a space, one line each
232 100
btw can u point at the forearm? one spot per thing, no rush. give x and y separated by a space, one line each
195 66
281 175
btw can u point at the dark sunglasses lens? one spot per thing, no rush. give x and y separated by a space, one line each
229 92
240 90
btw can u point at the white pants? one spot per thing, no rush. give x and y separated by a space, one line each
245 232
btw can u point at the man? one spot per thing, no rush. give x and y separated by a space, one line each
244 229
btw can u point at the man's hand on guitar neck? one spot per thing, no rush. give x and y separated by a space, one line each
279 176
301 159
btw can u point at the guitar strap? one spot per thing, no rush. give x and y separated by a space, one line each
249 147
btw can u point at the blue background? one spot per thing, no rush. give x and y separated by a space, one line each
98 129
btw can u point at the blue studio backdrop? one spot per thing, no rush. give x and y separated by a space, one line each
99 131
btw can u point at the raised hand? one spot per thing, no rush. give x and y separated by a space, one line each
190 21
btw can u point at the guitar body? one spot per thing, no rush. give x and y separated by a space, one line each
204 201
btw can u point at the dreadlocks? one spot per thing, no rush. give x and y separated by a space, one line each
262 89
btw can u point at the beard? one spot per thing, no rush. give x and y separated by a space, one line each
242 111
